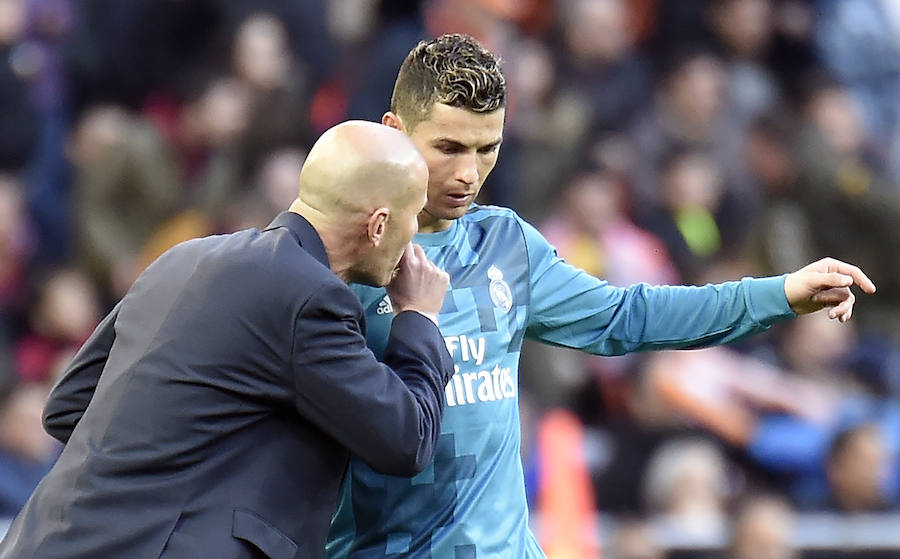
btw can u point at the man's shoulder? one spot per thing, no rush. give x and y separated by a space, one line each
493 222
500 225
269 259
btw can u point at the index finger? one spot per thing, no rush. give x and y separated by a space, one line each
859 277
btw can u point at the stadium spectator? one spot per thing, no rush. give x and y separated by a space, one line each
17 248
859 470
844 188
743 30
64 311
26 451
686 490
763 529
126 185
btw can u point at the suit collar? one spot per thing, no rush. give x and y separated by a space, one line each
303 232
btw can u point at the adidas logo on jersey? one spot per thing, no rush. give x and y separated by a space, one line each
385 306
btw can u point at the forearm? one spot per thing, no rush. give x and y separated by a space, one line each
419 438
388 414
607 320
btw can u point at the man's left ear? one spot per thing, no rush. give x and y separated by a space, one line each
376 225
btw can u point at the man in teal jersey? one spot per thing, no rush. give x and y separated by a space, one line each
507 283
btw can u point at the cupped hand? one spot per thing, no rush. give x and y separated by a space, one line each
826 283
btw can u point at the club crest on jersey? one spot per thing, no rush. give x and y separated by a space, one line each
500 293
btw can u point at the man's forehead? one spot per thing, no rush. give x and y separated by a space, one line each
462 125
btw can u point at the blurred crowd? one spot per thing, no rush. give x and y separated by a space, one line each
665 141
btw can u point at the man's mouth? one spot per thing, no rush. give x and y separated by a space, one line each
460 197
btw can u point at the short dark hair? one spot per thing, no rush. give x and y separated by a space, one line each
453 69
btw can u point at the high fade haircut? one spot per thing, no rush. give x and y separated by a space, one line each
453 69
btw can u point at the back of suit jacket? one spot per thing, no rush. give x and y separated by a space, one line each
234 380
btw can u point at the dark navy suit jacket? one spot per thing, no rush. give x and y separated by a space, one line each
235 383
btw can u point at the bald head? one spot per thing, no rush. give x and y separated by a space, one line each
358 166
361 188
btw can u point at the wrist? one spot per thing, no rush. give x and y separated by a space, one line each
430 316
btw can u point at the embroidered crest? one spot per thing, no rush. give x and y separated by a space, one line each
500 293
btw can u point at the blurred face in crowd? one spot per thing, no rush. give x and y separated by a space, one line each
597 30
221 114
835 114
697 90
460 147
686 479
814 346
261 52
20 423
744 25
856 473
12 20
693 181
12 214
769 160
531 73
276 180
763 531
351 21
68 308
592 202
633 540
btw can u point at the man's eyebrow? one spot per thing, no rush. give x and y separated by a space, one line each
456 143
448 141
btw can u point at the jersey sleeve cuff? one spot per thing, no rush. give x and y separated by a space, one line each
766 299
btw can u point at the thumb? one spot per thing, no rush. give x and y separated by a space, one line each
406 256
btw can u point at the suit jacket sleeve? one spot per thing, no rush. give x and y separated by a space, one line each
75 388
389 413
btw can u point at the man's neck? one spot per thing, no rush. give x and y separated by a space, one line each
338 246
431 224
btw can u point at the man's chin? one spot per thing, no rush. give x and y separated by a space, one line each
449 214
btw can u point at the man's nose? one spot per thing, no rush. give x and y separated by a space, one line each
467 171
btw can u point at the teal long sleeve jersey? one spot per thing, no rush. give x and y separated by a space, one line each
507 283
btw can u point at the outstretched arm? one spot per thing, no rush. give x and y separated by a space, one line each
570 308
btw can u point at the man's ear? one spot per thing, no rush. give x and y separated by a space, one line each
376 224
392 120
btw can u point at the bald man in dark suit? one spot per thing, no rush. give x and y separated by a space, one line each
212 413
